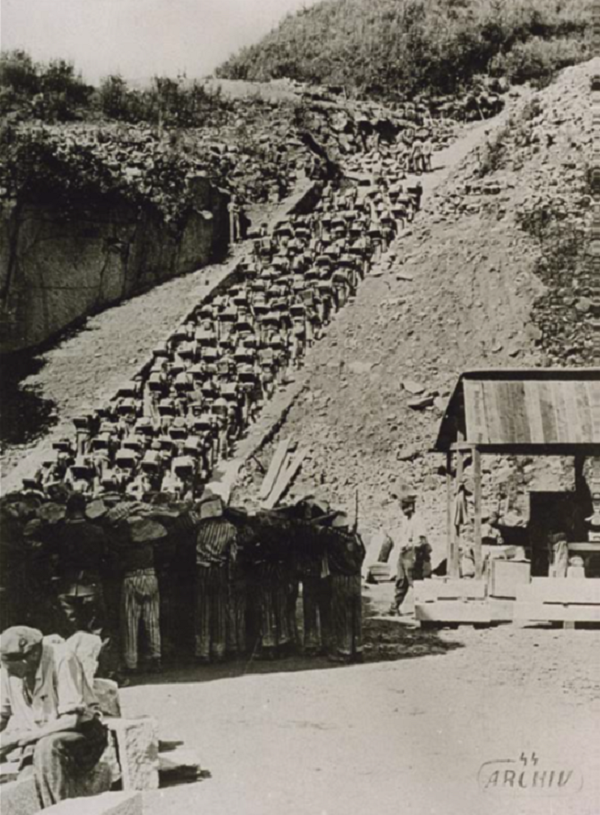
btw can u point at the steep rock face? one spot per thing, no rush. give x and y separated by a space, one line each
56 267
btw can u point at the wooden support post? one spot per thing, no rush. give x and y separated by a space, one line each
477 509
231 225
449 525
454 565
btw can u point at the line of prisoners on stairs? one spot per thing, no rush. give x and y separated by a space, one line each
165 431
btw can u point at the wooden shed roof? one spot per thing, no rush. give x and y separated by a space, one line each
541 411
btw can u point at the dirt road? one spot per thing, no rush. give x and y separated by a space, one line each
406 732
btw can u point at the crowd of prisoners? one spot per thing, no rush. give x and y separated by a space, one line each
166 430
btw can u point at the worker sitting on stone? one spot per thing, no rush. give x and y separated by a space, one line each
50 712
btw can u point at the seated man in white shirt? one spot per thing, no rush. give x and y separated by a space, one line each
48 709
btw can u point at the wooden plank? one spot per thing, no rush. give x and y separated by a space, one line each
521 432
533 408
457 611
573 428
589 547
492 412
574 591
548 412
593 394
274 469
285 479
474 411
553 612
562 416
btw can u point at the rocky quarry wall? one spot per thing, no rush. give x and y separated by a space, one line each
58 266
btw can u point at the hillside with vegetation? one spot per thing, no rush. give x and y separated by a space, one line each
401 47
64 140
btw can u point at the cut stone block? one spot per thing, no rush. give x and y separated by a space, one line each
107 693
110 757
9 771
137 750
109 803
20 797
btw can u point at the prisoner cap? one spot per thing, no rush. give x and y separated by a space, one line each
18 641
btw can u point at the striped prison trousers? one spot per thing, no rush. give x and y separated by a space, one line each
212 611
346 615
140 601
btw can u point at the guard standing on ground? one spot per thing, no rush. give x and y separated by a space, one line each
414 555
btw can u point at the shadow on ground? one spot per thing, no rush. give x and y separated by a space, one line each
385 639
24 414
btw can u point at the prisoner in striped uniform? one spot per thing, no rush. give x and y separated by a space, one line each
216 544
140 601
345 554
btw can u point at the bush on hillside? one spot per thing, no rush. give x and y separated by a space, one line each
168 102
537 60
81 166
404 46
52 92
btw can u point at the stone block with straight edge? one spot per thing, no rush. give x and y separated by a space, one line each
20 797
109 803
137 749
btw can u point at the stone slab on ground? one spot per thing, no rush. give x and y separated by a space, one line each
554 612
109 803
454 611
449 589
20 797
137 747
9 770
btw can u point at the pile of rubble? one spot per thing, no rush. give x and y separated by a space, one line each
533 170
345 128
263 152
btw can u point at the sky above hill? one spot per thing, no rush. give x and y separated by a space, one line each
139 38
